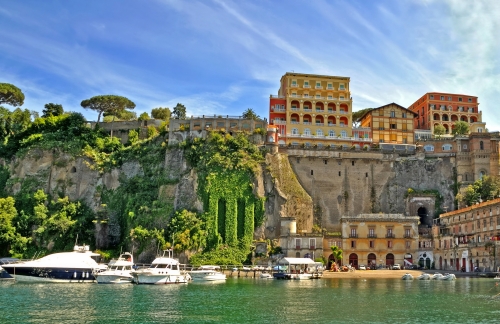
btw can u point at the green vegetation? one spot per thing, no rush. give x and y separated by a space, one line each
250 114
483 189
52 109
108 104
179 111
439 130
460 128
226 167
11 95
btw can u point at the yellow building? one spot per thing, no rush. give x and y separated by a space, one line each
391 123
313 109
379 239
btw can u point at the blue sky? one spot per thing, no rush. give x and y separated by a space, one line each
223 56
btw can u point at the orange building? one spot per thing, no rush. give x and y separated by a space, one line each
314 109
435 108
391 123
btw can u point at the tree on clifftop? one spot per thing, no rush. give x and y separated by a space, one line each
111 104
52 109
179 111
11 95
357 115
250 114
161 113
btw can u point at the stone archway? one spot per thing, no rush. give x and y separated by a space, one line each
389 260
422 205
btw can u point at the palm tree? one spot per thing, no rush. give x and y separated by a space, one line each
337 253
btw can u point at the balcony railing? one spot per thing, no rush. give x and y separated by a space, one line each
320 124
308 110
353 235
372 235
318 87
407 236
295 109
389 235
306 86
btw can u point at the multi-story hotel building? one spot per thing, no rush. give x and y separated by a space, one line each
374 239
436 108
314 109
468 238
391 123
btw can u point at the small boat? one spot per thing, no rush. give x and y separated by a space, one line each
266 275
76 266
207 273
497 277
436 276
424 276
164 270
407 276
448 276
119 271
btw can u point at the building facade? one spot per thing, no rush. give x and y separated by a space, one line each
436 108
468 238
314 110
379 239
391 123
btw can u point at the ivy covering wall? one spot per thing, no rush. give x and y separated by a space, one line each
226 167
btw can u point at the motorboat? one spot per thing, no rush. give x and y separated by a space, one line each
407 276
119 270
424 276
164 270
448 276
207 273
266 275
75 266
4 274
497 277
436 276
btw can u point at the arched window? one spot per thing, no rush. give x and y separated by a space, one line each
319 132
447 147
295 131
481 174
307 131
481 145
331 133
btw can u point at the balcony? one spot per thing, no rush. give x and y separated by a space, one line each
279 110
279 122
372 235
306 86
342 112
390 235
318 87
293 85
353 235
330 88
294 122
307 123
308 110
320 124
295 109
407 236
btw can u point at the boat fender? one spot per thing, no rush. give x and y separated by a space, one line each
74 275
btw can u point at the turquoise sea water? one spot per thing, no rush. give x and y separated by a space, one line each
245 300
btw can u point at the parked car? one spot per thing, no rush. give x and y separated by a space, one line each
362 267
397 266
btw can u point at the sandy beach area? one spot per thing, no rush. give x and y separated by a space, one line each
370 274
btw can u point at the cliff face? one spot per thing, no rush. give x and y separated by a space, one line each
352 184
314 190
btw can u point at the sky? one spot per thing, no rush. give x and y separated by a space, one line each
222 56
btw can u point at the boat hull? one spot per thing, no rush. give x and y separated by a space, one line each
114 278
46 274
159 279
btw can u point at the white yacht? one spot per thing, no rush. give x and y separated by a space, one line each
164 270
207 273
76 266
119 270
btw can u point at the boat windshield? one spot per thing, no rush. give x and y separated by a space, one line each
160 266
